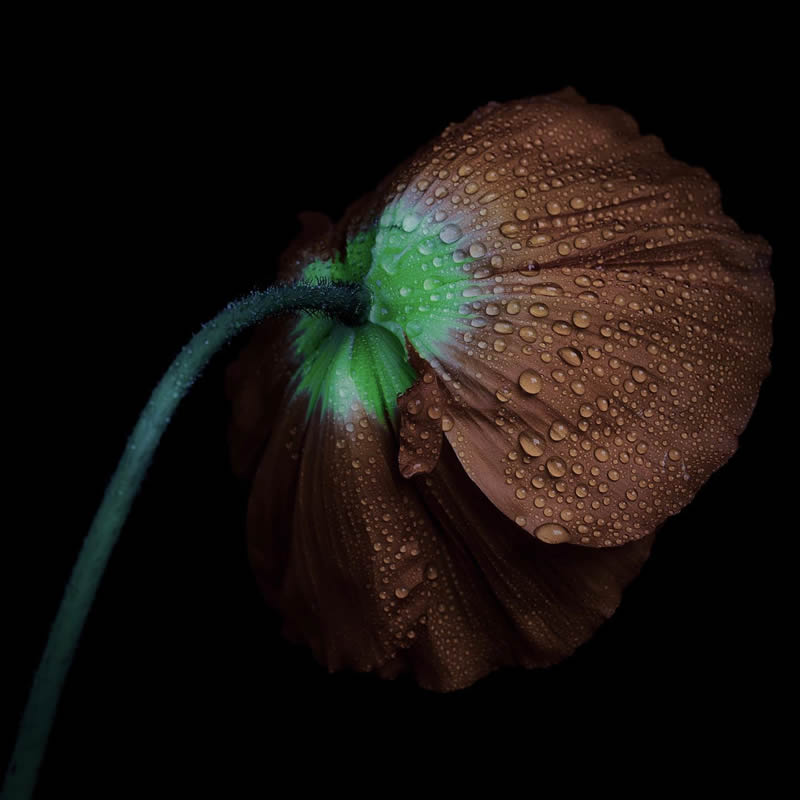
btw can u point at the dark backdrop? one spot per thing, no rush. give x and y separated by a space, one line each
168 177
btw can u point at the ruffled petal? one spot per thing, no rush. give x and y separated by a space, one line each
615 326
376 572
588 333
346 549
422 419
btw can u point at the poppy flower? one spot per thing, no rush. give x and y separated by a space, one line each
567 336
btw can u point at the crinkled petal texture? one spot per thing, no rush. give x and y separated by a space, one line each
588 333
378 572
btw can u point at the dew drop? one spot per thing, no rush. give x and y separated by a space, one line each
531 443
570 356
539 310
551 533
556 467
509 229
530 382
558 431
581 319
477 250
450 233
562 328
410 223
547 289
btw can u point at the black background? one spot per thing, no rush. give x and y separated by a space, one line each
166 179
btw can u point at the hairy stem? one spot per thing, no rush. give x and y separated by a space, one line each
345 301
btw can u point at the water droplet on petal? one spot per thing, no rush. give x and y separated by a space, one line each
531 443
556 467
410 223
450 233
570 356
530 382
539 310
477 250
509 229
558 431
553 208
551 533
581 319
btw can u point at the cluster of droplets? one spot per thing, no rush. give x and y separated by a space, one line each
602 316
587 334
615 395
409 568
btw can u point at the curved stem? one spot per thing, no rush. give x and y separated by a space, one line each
345 301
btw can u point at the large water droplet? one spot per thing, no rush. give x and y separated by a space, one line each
531 443
581 319
477 250
553 208
570 356
509 229
450 233
410 223
558 431
551 533
556 467
530 382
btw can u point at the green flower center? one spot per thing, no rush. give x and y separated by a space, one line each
418 270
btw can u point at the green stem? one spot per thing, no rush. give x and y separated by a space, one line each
345 301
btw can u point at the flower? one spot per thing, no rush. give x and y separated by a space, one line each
567 337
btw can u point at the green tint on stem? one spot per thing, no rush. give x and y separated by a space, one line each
347 302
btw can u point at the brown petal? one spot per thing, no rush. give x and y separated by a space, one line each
628 333
344 546
421 408
376 572
536 602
